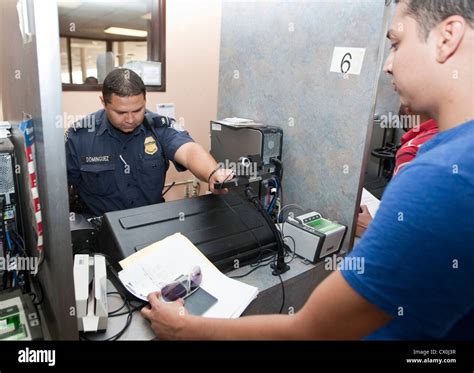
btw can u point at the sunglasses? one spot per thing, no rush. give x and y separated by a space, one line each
183 286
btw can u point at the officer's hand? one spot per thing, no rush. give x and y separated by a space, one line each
363 221
220 176
166 319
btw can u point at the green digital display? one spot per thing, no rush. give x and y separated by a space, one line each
323 225
10 324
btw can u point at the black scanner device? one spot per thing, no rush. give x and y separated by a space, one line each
227 229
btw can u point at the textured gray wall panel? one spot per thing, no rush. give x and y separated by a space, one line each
284 74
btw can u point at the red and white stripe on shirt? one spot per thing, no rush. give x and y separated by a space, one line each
412 141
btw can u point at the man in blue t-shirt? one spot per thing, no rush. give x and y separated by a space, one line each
417 278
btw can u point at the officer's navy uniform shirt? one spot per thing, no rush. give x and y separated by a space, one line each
112 170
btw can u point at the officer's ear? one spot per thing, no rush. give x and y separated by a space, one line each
102 101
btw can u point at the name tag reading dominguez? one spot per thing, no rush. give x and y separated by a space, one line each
97 159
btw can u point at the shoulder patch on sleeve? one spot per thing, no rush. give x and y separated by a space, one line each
164 121
177 126
88 122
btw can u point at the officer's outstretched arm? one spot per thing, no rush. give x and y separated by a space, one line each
201 164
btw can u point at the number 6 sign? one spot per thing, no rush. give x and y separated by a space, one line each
347 60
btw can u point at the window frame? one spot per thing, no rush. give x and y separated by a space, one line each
156 47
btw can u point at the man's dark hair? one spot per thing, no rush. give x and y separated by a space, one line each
123 83
428 13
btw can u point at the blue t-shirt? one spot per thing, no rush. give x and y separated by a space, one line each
418 253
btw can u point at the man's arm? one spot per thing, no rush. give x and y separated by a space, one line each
363 220
333 311
200 163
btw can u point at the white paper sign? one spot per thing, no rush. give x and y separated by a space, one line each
347 60
166 110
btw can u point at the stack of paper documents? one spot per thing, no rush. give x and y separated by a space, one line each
371 201
151 268
238 122
5 130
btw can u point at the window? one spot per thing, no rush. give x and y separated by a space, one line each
97 36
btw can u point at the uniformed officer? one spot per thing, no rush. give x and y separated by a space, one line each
117 158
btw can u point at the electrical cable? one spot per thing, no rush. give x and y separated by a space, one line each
110 314
260 260
278 179
21 239
273 259
120 333
271 205
226 179
168 189
20 245
279 169
128 322
294 205
280 266
281 246
253 269
40 288
294 248
9 241
282 294
10 252
287 207
133 308
245 225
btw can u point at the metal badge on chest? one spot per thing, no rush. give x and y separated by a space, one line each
150 145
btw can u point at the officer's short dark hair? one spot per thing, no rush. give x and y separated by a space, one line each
123 83
428 13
